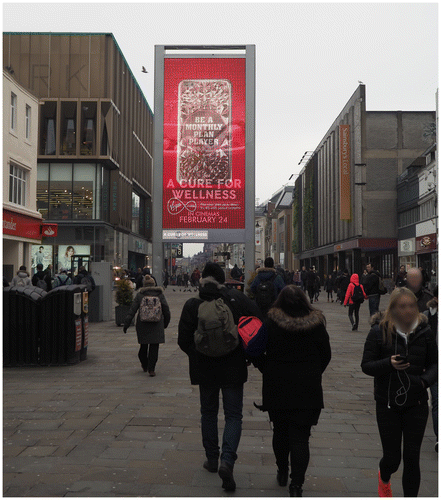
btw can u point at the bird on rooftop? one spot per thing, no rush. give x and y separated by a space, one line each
144 70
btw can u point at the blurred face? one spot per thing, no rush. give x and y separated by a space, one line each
406 311
368 268
414 281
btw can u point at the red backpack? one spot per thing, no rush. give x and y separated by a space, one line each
253 334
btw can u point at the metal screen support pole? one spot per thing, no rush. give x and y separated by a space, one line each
250 161
157 246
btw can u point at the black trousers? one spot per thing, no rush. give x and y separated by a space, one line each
148 355
402 424
354 310
291 444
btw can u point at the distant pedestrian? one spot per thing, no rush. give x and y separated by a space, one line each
41 279
303 276
372 288
150 332
226 373
85 278
267 285
329 287
342 283
355 296
61 278
317 287
298 352
22 278
401 277
236 273
310 283
400 353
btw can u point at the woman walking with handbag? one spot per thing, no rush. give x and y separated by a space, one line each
298 352
401 354
152 319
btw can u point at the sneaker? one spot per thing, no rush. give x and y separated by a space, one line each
226 474
384 489
211 465
152 373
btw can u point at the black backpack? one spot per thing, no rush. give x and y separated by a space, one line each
266 293
85 280
357 295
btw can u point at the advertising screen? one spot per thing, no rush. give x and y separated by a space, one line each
41 254
66 252
204 143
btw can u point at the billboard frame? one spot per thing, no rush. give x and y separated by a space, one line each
245 235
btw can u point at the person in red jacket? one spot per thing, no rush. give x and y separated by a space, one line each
355 296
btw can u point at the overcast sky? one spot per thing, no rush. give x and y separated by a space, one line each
309 58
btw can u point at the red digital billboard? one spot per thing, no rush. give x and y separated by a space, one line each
204 143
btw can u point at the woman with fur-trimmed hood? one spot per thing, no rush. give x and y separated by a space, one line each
150 334
298 352
401 354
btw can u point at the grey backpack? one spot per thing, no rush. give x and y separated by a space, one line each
216 334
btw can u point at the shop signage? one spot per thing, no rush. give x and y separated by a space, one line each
204 143
25 226
427 243
407 247
184 235
345 172
257 241
78 334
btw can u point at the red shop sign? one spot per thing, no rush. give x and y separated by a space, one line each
25 226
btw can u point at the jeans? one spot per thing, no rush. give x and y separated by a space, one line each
407 424
148 355
291 440
232 399
354 309
374 304
434 393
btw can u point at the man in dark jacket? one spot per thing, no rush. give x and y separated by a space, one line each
415 282
84 278
303 274
42 277
267 273
372 289
214 374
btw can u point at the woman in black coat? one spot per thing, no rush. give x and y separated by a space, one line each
401 354
298 352
150 334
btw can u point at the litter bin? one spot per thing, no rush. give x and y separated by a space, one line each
33 322
7 355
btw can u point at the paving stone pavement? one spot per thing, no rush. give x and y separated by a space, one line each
104 428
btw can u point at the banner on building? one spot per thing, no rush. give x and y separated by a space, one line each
345 173
204 143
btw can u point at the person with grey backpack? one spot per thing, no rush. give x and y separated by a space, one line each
61 278
208 334
153 318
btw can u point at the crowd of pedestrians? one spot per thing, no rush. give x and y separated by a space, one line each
400 353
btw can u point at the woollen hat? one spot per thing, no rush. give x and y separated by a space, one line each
215 271
148 281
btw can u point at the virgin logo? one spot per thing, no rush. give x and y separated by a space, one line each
175 206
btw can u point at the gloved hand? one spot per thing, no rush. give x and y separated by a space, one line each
125 329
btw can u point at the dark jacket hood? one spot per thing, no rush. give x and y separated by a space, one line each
266 270
210 288
301 324
355 280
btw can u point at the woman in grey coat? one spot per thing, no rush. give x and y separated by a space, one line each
150 334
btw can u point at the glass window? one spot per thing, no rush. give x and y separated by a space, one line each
60 200
13 111
43 189
17 185
68 128
88 128
135 212
48 128
83 191
28 122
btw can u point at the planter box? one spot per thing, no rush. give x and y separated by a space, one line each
120 315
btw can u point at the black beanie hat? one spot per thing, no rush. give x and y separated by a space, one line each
215 271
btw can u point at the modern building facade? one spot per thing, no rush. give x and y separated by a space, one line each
417 200
22 223
345 200
95 142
